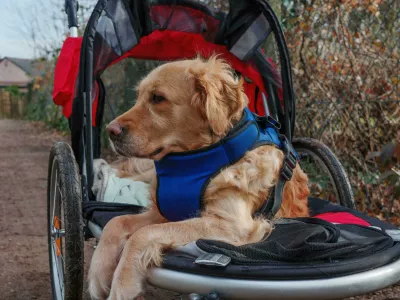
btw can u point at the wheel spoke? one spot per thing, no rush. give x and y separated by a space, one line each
59 255
56 235
56 265
59 190
54 197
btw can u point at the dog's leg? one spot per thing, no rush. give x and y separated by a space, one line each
105 259
145 248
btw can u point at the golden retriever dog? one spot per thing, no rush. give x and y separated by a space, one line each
182 106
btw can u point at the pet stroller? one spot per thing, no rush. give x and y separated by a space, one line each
344 253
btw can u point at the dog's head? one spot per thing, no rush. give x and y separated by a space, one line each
181 106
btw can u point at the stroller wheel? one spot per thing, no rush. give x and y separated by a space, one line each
327 177
65 224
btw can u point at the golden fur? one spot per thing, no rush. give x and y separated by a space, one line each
201 101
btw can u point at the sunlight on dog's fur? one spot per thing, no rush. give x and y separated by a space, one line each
183 106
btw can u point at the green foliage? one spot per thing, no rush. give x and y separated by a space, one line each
42 110
41 107
345 58
13 90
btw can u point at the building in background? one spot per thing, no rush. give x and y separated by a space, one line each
18 72
16 78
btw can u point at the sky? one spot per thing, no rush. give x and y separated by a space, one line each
19 18
13 42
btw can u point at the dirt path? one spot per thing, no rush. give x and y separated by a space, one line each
24 270
23 246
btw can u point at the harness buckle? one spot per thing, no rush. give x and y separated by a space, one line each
273 123
290 160
267 121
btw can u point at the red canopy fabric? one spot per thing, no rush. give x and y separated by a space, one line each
166 45
65 74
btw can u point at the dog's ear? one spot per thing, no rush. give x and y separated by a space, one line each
219 93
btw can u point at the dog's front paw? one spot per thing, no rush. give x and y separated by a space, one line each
125 294
100 277
126 289
98 287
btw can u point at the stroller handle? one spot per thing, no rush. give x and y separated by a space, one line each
71 9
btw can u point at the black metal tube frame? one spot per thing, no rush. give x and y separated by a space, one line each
85 86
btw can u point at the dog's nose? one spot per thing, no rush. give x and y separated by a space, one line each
114 129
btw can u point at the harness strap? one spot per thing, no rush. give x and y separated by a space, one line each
273 202
184 176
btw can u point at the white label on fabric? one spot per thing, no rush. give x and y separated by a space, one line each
211 259
394 234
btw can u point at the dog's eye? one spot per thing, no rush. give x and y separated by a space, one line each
155 99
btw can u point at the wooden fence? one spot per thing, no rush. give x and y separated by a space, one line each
11 105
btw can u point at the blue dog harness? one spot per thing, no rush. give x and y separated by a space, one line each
183 177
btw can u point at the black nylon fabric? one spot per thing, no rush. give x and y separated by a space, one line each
101 213
279 270
296 269
305 240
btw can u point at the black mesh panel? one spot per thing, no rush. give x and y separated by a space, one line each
116 29
252 38
115 35
183 17
306 239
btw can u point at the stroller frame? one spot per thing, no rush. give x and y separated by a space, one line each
85 87
86 148
228 288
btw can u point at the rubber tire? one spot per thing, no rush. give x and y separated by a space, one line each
72 204
335 168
